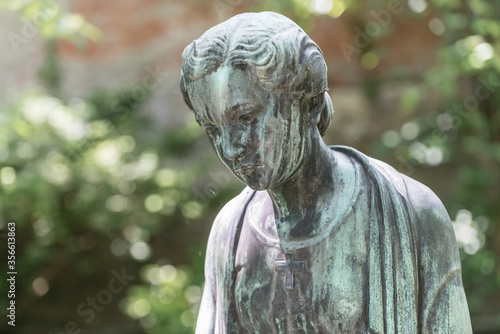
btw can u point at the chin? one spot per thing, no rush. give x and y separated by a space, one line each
257 187
255 183
256 180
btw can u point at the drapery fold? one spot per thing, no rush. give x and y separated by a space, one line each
409 292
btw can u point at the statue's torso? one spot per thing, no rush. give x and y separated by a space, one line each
328 295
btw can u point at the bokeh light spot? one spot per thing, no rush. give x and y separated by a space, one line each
168 273
320 7
192 209
126 144
40 286
434 156
132 233
445 121
410 130
119 247
188 318
153 203
166 177
391 138
437 26
193 294
338 8
41 227
467 232
484 51
369 60
148 321
141 307
117 203
140 250
417 6
8 175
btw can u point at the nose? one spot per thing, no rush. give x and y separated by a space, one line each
232 145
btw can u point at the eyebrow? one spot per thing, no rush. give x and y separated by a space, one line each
237 107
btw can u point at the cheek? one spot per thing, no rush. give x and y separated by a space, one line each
269 137
217 146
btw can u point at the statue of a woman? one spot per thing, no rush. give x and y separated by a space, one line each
324 239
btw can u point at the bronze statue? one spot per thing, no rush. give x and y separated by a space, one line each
323 239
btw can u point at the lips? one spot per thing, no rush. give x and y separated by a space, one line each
247 169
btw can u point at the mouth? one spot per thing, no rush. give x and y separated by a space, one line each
247 169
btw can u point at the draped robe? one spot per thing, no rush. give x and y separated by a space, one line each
413 278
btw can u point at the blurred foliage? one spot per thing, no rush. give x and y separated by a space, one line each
84 181
465 132
80 174
52 21
170 301
77 174
462 131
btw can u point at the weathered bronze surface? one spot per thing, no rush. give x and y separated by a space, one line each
323 239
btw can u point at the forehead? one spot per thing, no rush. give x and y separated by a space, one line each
222 90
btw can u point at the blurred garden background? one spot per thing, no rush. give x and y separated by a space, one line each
113 187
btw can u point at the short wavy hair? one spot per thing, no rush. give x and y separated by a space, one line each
271 47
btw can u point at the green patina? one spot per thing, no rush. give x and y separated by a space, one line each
324 239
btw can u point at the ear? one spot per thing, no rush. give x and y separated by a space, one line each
315 106
184 91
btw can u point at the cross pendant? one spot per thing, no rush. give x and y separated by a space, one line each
289 266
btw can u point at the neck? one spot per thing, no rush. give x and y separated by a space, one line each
300 201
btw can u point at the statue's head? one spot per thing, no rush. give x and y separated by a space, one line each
257 84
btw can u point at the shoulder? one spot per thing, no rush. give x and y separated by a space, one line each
434 230
431 220
223 232
223 228
428 209
427 206
230 210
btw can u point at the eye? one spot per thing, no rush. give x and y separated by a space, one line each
245 118
212 130
248 117
315 101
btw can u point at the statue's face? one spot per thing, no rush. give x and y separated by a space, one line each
260 136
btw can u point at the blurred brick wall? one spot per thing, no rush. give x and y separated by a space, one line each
142 37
